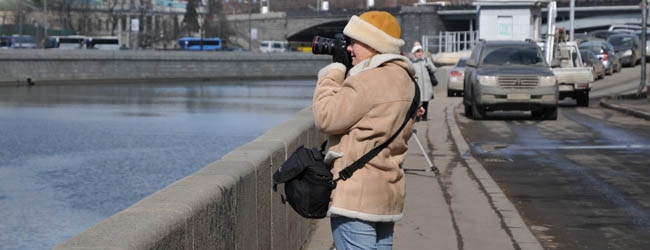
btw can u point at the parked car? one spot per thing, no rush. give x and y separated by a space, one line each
605 52
627 47
590 59
456 75
600 34
574 79
624 27
647 43
509 75
273 46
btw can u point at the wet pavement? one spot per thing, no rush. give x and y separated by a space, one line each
638 106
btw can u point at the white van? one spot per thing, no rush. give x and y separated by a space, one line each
273 46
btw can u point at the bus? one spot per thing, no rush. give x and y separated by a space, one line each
195 43
22 42
103 43
69 42
5 42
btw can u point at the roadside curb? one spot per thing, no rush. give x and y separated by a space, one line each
517 228
625 110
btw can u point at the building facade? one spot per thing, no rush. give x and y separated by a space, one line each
157 23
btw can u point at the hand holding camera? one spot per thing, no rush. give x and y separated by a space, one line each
336 47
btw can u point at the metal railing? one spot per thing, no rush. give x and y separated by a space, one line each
450 41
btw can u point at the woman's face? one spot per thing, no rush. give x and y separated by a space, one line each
360 51
418 54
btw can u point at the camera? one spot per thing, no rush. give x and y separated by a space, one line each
336 47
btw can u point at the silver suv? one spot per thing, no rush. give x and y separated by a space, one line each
509 75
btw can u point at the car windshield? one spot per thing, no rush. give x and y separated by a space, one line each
620 40
513 55
461 63
594 48
24 39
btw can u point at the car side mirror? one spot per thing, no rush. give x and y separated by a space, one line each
471 63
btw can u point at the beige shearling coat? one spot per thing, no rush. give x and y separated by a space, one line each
359 113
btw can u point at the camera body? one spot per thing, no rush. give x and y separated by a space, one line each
336 47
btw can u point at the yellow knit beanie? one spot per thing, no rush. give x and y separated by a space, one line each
378 29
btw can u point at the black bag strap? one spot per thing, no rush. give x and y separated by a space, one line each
348 171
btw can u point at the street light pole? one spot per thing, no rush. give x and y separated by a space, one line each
46 25
250 35
19 7
572 7
644 38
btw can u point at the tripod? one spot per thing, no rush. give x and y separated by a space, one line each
432 168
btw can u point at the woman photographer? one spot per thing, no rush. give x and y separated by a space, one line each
358 112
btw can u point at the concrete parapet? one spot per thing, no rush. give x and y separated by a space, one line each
70 66
228 204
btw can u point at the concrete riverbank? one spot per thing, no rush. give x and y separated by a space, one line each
25 67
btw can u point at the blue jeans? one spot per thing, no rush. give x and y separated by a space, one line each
353 234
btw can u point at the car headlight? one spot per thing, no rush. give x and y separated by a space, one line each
487 80
627 52
546 80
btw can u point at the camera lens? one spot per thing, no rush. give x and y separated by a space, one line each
322 46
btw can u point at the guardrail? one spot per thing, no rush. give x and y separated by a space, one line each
227 204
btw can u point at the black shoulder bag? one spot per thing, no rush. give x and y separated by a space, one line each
431 72
308 182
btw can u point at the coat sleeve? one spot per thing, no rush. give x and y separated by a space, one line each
429 62
338 104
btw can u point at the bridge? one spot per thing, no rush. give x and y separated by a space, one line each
300 27
416 21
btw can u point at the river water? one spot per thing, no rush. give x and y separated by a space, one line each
71 156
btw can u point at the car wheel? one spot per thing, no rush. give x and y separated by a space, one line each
450 93
477 112
537 114
551 114
611 70
582 99
468 110
545 114
466 103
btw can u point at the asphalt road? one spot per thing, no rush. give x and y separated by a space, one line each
580 182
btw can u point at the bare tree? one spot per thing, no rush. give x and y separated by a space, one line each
113 14
217 25
191 18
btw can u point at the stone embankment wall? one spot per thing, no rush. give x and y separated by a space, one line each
84 66
228 204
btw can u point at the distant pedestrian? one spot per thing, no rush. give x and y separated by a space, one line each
425 74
